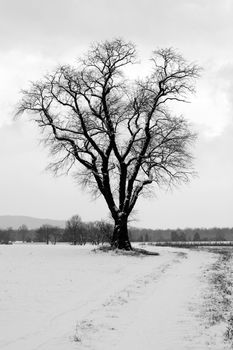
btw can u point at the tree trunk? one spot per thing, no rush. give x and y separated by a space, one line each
120 237
74 237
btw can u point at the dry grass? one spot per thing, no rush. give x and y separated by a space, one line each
134 252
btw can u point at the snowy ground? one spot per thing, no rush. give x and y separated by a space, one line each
65 298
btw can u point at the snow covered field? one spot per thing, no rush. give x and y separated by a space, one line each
68 297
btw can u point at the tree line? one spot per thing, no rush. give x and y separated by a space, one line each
78 232
187 234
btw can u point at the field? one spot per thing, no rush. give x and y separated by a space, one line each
68 297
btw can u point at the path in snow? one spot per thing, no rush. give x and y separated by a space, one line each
166 313
67 298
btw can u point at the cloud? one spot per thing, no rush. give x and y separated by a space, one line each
16 69
35 36
224 82
211 108
57 25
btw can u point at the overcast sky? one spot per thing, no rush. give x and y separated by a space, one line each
37 35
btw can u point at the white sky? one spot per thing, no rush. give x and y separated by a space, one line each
37 35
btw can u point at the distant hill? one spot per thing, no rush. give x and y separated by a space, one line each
32 223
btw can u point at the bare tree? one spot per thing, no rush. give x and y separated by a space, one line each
74 230
99 232
105 230
119 132
45 232
23 233
55 234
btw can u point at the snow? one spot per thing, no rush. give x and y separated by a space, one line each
67 297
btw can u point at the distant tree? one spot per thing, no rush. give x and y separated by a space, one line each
174 236
74 230
182 236
90 229
220 236
130 235
44 233
5 235
120 132
196 236
56 233
105 229
23 233
93 233
141 238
